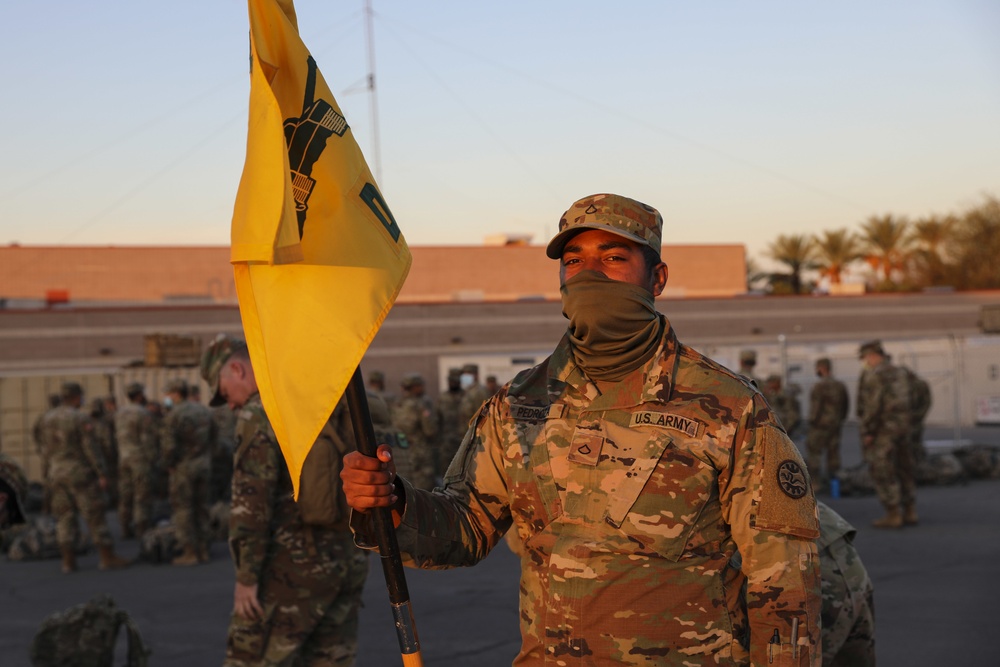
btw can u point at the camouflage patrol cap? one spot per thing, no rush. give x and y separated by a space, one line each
454 372
134 389
824 362
748 356
871 346
413 380
13 477
617 214
376 376
214 358
471 368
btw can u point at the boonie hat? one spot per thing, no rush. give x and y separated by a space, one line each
617 214
213 359
871 346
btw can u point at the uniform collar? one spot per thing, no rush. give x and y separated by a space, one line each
653 381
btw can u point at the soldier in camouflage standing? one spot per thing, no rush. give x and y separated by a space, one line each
188 437
633 469
450 427
784 403
77 480
220 487
884 403
474 397
298 586
104 434
413 416
827 412
748 361
38 435
136 431
920 405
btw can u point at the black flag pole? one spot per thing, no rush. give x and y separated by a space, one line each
385 532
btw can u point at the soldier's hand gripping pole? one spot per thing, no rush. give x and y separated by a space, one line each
392 563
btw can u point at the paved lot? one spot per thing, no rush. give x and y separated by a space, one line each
935 585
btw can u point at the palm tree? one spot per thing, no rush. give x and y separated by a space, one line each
886 241
795 252
834 251
976 246
931 236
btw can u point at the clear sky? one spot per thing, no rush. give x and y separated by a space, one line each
124 122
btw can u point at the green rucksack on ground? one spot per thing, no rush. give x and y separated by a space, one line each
85 636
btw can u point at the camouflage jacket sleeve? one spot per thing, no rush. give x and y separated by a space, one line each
767 501
459 524
90 444
872 394
256 470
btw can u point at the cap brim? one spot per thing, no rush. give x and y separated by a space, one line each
554 249
217 398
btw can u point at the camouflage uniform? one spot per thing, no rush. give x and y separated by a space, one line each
472 401
309 579
413 416
74 469
188 436
222 453
136 430
784 404
629 506
447 410
848 597
104 435
827 412
884 404
14 485
920 405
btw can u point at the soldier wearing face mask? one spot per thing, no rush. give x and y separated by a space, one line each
632 469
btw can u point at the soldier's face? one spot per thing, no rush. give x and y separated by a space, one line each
612 256
234 384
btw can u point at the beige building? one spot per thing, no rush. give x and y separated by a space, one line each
161 274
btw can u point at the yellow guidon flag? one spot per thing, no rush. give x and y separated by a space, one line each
317 256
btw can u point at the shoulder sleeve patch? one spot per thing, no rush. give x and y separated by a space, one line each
787 504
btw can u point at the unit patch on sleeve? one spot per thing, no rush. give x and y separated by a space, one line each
686 425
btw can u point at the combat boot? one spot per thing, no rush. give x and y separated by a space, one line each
68 559
188 557
910 517
892 519
107 559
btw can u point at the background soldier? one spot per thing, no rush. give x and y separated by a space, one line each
748 361
136 431
298 586
77 480
102 412
474 397
827 411
884 404
784 403
449 424
376 385
37 435
220 487
920 405
413 416
848 628
188 437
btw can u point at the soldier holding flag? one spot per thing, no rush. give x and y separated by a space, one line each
633 469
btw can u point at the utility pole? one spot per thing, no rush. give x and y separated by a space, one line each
373 99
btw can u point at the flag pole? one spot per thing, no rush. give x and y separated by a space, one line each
388 547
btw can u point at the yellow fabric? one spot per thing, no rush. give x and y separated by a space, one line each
310 304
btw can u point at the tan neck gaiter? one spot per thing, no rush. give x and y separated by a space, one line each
613 326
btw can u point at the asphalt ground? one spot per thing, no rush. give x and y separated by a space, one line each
936 591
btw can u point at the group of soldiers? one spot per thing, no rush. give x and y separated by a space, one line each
139 457
425 434
892 404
